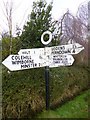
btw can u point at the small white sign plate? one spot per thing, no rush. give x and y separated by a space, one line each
61 60
74 48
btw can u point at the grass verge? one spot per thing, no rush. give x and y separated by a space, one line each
77 108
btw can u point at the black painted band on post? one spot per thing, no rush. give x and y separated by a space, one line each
47 87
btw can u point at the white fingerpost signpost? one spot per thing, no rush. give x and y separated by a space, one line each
54 56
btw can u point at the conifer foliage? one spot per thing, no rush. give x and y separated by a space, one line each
38 22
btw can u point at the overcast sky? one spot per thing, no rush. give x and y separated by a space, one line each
23 7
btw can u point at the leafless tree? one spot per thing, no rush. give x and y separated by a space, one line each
83 16
59 31
73 28
67 28
8 10
82 13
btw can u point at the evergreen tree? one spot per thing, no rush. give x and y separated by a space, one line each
39 21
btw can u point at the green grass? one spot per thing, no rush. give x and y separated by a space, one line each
77 108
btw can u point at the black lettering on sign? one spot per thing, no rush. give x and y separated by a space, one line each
23 61
28 66
69 51
25 52
12 57
58 50
39 64
35 64
17 58
25 66
60 59
14 62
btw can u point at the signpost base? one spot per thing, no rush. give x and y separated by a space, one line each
47 87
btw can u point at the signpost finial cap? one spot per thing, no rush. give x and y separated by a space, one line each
50 37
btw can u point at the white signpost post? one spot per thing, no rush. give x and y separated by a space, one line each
55 56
